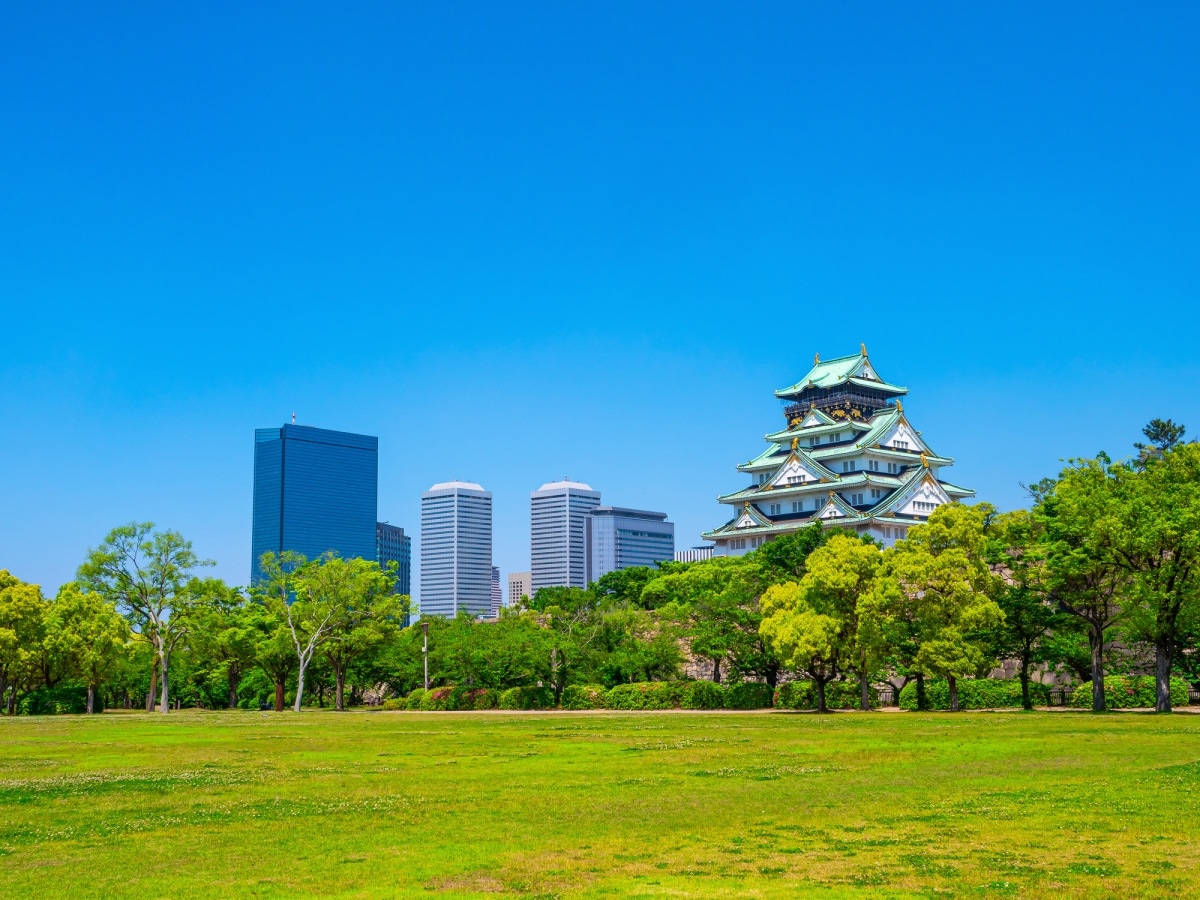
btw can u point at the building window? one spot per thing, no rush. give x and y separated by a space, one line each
900 445
775 508
856 499
797 506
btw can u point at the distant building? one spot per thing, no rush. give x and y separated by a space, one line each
315 491
393 545
519 585
619 538
497 594
456 550
694 554
557 541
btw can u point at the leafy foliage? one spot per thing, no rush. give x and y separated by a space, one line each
1130 692
975 693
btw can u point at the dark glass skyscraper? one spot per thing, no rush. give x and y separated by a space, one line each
393 545
314 490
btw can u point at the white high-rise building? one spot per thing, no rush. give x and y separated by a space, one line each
456 550
497 594
557 542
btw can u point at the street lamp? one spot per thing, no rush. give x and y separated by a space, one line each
425 651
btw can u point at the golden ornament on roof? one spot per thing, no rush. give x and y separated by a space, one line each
816 358
863 349
795 442
899 406
924 459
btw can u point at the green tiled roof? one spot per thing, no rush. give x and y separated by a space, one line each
830 373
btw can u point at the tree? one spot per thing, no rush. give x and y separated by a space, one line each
274 650
22 610
145 574
813 624
1163 434
1080 575
226 635
89 635
303 597
935 585
1030 620
365 612
1152 532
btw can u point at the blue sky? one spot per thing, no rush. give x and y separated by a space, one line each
522 242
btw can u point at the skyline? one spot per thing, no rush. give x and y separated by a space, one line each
546 242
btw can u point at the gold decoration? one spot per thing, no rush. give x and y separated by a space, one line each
795 442
900 406
796 422
924 460
816 359
862 349
856 413
838 413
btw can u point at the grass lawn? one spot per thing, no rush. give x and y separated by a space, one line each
385 804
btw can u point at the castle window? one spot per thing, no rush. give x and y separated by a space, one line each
797 506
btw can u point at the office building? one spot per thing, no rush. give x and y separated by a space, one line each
847 458
557 541
393 545
694 554
456 550
497 594
519 585
619 538
315 491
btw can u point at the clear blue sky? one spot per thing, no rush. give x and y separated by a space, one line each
519 242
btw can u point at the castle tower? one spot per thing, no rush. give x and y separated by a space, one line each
848 458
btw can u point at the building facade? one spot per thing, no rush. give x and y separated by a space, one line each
694 554
557 540
315 491
456 550
519 585
393 545
848 458
619 538
497 592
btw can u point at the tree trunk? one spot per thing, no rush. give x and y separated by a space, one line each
716 675
299 689
922 700
233 686
1096 641
820 683
278 696
339 689
153 686
1162 675
1026 703
166 696
952 682
864 692
91 699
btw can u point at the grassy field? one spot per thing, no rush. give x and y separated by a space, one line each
600 804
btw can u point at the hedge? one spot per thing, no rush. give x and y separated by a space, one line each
703 695
437 699
748 695
57 701
1129 692
413 701
645 695
838 695
527 698
584 696
395 703
975 693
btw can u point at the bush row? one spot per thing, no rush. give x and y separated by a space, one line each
1129 692
838 695
46 701
975 693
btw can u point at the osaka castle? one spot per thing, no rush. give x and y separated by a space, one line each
847 458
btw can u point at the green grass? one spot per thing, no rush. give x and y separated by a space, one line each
199 805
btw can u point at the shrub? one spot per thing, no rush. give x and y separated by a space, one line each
703 695
1129 692
748 695
975 693
527 698
645 695
413 701
584 696
484 698
838 695
395 703
437 699
57 701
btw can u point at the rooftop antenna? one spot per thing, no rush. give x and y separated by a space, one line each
293 418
